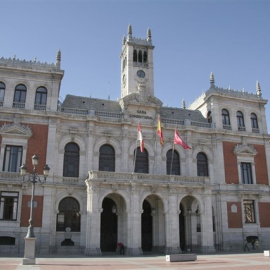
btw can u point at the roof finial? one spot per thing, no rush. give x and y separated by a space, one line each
258 89
183 104
124 40
149 36
58 59
129 31
212 79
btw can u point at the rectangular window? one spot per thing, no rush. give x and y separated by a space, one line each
8 205
12 159
246 172
249 211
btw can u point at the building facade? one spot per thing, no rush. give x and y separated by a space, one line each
102 190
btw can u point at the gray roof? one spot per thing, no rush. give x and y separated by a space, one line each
182 114
96 104
103 105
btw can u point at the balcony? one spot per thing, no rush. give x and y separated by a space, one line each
147 179
19 105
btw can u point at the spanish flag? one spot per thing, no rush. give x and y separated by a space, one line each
159 131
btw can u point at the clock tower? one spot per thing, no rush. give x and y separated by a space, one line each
137 65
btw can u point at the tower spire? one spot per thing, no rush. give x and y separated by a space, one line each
58 59
129 31
212 79
149 35
258 89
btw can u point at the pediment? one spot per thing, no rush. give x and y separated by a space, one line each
15 130
140 99
245 150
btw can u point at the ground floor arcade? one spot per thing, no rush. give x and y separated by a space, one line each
148 215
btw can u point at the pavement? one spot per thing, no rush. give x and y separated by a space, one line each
246 261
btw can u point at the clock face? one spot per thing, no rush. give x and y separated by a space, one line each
141 73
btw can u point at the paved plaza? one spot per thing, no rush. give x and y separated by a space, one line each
245 261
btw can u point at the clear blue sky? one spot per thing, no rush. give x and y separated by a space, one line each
192 38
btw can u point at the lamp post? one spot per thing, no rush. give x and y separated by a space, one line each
30 240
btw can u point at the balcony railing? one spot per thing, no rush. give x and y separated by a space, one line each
255 130
19 105
228 127
146 178
40 107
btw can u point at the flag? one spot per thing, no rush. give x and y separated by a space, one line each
140 137
159 132
178 140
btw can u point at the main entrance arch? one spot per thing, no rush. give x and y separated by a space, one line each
153 225
108 228
113 228
190 224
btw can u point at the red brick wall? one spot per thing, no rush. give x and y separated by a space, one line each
230 163
264 212
37 212
261 166
37 144
234 219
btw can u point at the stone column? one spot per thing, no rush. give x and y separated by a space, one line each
123 167
172 226
92 247
134 223
207 245
49 219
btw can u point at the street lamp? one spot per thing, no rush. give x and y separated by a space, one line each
30 240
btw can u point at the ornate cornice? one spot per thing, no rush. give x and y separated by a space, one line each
245 150
15 130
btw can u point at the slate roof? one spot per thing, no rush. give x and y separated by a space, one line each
87 103
103 105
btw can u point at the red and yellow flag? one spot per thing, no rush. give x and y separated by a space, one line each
159 131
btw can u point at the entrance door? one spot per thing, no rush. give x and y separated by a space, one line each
182 228
108 232
146 227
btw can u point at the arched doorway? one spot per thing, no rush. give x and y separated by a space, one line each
190 224
108 230
153 225
147 227
182 228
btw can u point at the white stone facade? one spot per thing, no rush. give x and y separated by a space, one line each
154 211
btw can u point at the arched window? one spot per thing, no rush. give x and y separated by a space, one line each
2 93
135 56
145 56
19 96
140 57
240 121
71 160
141 164
202 165
69 215
225 118
254 122
41 98
106 158
173 163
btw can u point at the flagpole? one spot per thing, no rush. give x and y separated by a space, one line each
172 159
134 161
